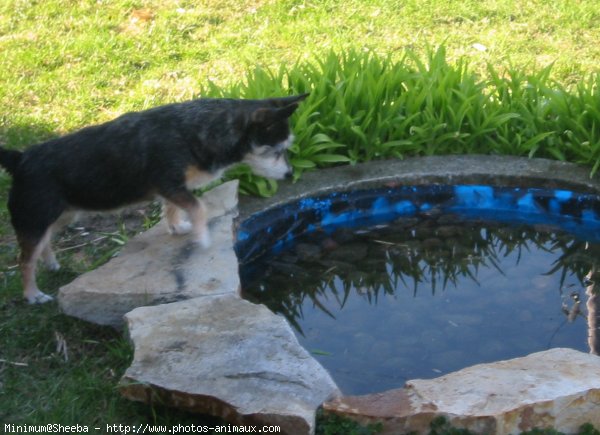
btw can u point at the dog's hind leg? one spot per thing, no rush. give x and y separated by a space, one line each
196 211
31 250
34 209
48 255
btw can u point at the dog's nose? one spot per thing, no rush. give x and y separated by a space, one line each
289 174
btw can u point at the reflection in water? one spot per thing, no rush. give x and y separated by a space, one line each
425 296
592 304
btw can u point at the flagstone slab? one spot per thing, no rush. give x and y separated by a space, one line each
156 268
225 356
557 388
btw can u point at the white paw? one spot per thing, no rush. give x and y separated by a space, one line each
203 239
182 227
38 297
52 265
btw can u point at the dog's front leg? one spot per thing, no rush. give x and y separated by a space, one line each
174 216
195 209
50 258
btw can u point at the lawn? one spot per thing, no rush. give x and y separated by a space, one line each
69 63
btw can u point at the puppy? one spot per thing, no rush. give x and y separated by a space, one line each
165 151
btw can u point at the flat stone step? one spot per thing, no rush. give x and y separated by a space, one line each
224 356
156 268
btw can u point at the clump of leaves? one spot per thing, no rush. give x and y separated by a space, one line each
365 106
585 429
336 425
441 426
588 429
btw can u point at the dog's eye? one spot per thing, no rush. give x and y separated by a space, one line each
264 150
269 151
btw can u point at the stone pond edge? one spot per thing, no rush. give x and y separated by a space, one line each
506 171
481 169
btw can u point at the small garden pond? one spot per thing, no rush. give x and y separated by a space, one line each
405 282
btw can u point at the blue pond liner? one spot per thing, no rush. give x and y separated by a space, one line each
575 213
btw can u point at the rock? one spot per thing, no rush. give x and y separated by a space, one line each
558 388
156 267
222 199
225 356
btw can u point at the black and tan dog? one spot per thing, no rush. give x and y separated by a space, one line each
165 151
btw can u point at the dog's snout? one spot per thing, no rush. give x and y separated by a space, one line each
289 174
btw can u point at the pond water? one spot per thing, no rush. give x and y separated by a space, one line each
428 293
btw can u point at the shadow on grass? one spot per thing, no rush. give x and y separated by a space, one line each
57 369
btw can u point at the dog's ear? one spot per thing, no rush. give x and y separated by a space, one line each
286 101
267 115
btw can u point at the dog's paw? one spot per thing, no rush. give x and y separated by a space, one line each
50 260
203 239
181 227
52 265
38 297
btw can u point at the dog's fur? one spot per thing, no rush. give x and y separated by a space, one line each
164 152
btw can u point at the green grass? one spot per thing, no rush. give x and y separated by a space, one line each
57 369
381 88
68 63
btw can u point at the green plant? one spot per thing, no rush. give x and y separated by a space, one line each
332 424
364 106
440 426
588 429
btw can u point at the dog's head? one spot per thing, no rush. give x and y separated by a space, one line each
270 137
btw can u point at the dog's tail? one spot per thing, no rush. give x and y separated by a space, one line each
10 159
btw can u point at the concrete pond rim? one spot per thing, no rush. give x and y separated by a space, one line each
494 171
